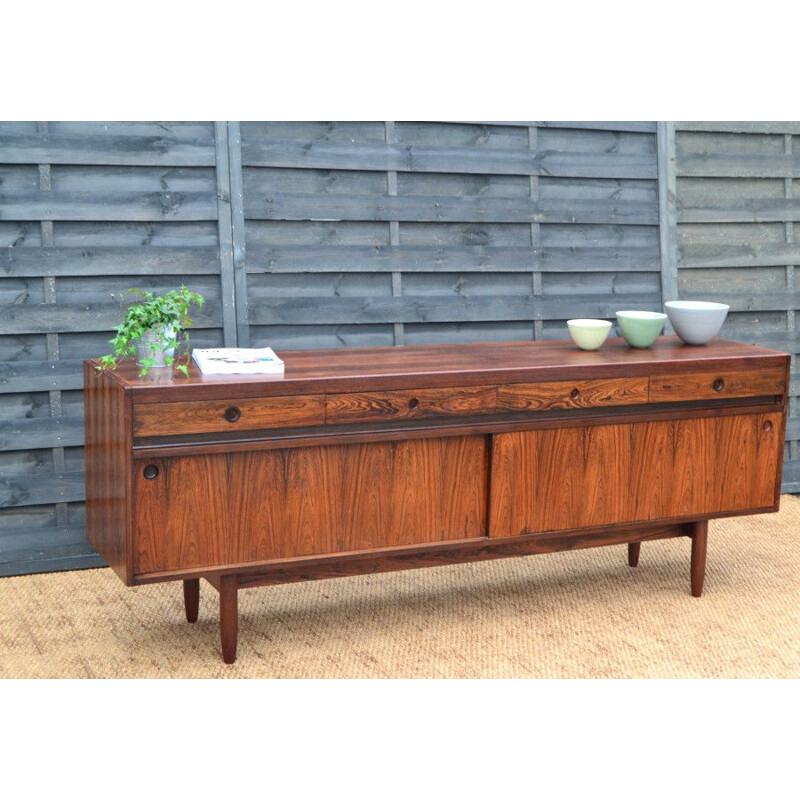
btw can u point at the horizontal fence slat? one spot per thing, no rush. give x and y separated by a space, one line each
469 160
623 127
32 566
791 471
29 434
784 341
66 318
108 206
410 309
38 376
793 429
746 301
55 148
744 165
26 543
19 262
380 258
417 208
725 256
41 488
740 127
752 211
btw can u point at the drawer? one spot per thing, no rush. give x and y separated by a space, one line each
217 416
410 404
571 394
708 385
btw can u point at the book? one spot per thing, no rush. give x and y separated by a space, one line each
237 361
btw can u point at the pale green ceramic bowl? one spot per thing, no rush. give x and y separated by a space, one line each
588 334
641 328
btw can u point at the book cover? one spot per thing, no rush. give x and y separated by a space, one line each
237 361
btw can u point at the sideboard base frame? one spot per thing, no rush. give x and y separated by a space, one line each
229 584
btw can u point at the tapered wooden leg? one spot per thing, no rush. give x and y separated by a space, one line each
191 598
633 553
228 616
699 547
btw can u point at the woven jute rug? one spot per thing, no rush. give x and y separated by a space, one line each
584 614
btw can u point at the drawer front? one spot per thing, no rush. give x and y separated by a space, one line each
410 404
574 394
716 385
225 416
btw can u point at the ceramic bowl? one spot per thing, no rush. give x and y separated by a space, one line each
695 321
588 334
641 328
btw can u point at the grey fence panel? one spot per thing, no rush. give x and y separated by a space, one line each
88 210
367 233
736 211
341 234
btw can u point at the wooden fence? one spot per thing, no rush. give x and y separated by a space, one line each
88 210
736 209
342 234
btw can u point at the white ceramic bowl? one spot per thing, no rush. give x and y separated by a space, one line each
696 321
588 334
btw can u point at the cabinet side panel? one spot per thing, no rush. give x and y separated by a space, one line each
550 480
107 454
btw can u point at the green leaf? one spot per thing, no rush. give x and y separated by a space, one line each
170 309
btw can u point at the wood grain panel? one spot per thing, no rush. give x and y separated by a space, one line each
410 404
560 479
107 469
571 394
320 500
372 369
708 385
172 419
182 517
210 510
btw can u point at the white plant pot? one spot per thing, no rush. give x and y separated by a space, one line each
151 345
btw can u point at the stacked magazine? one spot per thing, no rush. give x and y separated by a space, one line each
237 361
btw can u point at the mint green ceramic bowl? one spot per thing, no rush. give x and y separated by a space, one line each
641 328
588 334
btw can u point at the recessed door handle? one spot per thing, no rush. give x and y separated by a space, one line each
232 413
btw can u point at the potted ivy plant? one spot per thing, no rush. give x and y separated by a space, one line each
151 327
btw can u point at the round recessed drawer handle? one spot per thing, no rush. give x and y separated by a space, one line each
767 426
150 472
232 413
718 385
413 403
575 394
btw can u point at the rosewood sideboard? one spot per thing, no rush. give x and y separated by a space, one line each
367 460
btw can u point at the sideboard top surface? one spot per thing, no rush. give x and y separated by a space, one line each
364 369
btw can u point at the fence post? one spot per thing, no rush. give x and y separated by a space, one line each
224 228
237 230
667 211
